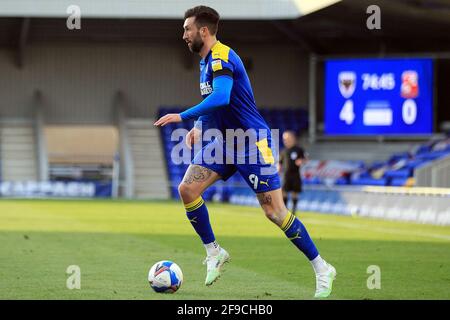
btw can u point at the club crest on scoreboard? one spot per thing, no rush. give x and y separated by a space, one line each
410 84
347 83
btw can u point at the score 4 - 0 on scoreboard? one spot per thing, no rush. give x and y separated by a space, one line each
379 96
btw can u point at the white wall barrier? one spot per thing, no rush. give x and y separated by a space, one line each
419 205
434 174
55 189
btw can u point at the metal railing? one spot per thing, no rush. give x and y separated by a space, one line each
126 159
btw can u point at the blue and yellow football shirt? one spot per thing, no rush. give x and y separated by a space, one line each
241 112
242 115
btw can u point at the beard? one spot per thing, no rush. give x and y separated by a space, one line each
196 44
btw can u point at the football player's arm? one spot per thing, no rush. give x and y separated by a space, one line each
220 97
280 162
202 121
301 159
301 154
305 156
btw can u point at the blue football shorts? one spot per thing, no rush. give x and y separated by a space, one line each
256 165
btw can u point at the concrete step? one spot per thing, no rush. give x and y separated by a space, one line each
148 172
18 152
142 132
19 174
144 156
149 143
150 179
17 148
19 162
26 139
151 188
142 122
12 157
7 131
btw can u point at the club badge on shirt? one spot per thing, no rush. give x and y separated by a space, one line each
216 65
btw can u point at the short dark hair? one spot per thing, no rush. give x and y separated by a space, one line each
292 133
204 17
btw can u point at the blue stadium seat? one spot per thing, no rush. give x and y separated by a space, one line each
414 163
399 156
369 181
342 181
313 180
423 149
432 155
402 173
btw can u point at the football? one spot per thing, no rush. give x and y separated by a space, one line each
165 277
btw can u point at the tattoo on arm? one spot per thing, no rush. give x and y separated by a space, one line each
264 198
196 174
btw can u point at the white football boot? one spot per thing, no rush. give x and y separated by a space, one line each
324 282
214 265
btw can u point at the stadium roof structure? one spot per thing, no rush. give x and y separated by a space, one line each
322 27
167 9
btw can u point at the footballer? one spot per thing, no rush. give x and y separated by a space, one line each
228 103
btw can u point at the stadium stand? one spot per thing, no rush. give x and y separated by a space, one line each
397 170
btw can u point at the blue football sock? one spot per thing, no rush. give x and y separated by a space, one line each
197 214
296 232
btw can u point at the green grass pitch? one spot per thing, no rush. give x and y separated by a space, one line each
115 242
